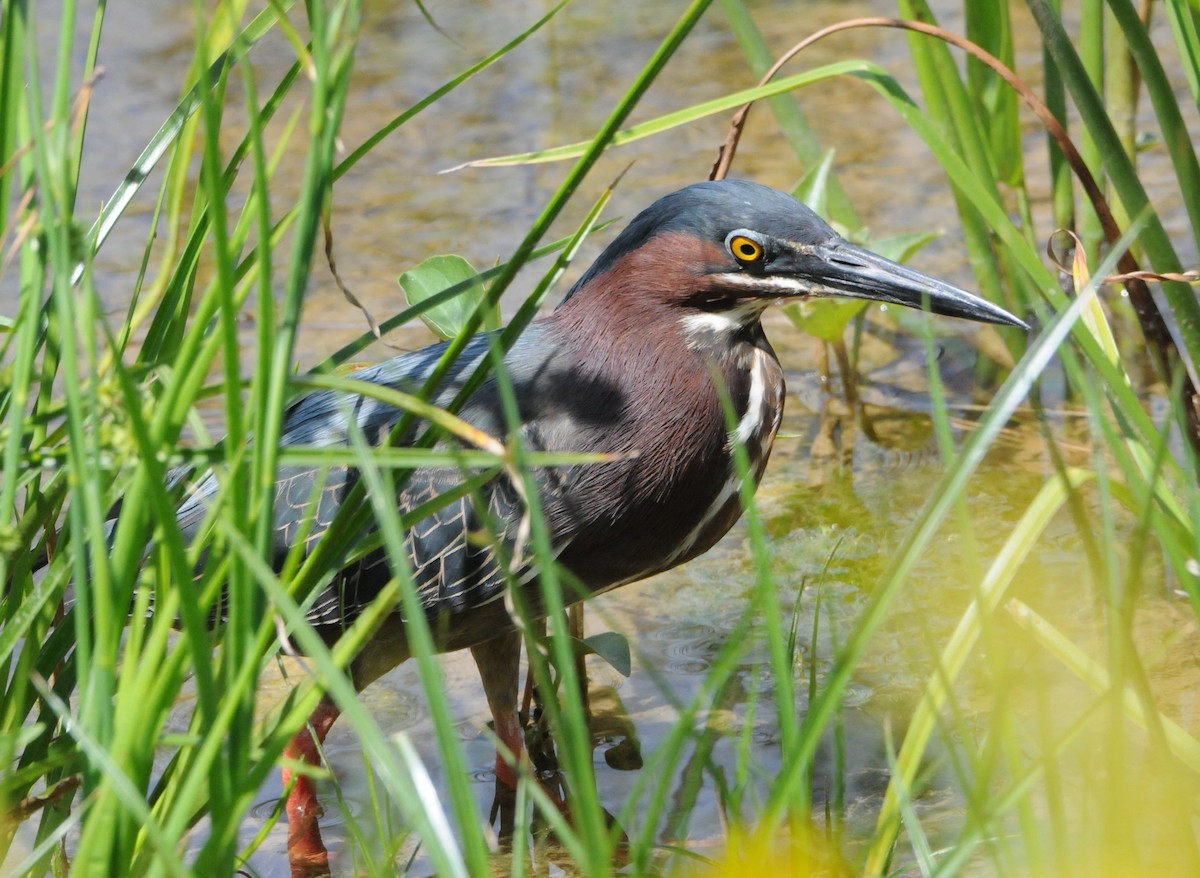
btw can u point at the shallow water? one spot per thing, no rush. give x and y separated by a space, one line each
395 209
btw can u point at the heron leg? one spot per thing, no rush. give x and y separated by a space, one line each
499 663
306 851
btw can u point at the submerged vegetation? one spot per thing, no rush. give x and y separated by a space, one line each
1050 696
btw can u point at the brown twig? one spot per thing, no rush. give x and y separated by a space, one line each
331 261
79 109
30 805
1058 260
1182 277
78 113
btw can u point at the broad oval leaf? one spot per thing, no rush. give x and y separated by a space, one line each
436 275
825 319
610 646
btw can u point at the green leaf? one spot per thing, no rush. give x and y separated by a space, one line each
436 275
813 188
825 319
680 117
610 646
901 248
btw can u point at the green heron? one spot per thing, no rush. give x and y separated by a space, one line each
635 361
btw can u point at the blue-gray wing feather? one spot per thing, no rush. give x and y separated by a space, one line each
453 553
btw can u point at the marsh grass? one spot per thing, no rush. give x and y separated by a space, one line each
96 411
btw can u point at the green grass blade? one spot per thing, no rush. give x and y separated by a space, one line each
957 650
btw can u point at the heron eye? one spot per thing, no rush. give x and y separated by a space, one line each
745 249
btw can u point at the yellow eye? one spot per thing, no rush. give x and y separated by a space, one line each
745 249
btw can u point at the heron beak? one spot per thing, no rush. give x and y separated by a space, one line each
839 268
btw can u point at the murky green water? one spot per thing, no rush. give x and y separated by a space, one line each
818 503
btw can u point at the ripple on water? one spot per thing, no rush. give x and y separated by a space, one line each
264 809
690 647
856 695
466 729
765 735
394 709
483 775
330 816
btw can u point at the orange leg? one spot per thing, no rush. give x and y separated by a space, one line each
499 662
306 850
